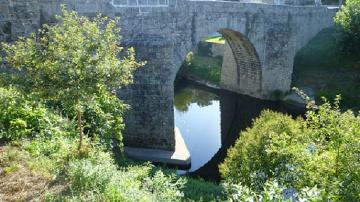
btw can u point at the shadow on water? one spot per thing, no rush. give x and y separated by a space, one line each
211 121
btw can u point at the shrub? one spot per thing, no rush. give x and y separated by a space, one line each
272 191
322 150
165 187
22 117
102 117
254 159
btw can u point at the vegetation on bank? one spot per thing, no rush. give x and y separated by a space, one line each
330 62
321 66
348 23
278 158
203 66
51 169
318 154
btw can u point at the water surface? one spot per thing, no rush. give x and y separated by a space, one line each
210 122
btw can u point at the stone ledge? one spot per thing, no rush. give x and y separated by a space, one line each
180 157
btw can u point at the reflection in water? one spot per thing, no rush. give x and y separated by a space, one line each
185 96
198 118
210 122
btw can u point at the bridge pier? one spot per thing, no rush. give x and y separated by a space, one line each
150 132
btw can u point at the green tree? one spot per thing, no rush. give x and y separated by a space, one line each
348 21
74 61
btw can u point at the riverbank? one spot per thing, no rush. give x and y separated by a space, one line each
205 70
322 67
53 170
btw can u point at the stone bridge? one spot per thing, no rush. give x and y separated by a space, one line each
262 40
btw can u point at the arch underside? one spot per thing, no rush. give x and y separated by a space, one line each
245 77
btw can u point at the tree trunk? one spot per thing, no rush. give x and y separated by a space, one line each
79 123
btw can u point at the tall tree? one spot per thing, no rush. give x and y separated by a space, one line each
73 61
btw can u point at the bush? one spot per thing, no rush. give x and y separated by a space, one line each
22 117
102 118
272 191
321 151
254 158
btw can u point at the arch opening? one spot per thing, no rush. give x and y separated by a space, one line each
241 70
197 109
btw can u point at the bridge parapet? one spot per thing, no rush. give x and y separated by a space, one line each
140 3
275 2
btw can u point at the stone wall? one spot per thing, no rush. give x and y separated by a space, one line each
247 69
18 18
217 49
229 69
150 122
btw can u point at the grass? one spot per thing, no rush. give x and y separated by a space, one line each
215 39
17 182
53 170
321 66
205 68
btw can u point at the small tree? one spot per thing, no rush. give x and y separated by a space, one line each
348 21
73 61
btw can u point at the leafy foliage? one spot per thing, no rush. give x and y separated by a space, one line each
22 117
272 191
321 151
102 117
348 20
254 158
73 61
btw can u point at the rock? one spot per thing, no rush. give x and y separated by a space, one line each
296 100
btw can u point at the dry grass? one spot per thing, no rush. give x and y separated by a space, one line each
19 183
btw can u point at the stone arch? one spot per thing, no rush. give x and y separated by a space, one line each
241 70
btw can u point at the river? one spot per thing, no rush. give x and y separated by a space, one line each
211 120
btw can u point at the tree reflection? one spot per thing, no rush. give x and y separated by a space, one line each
187 95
